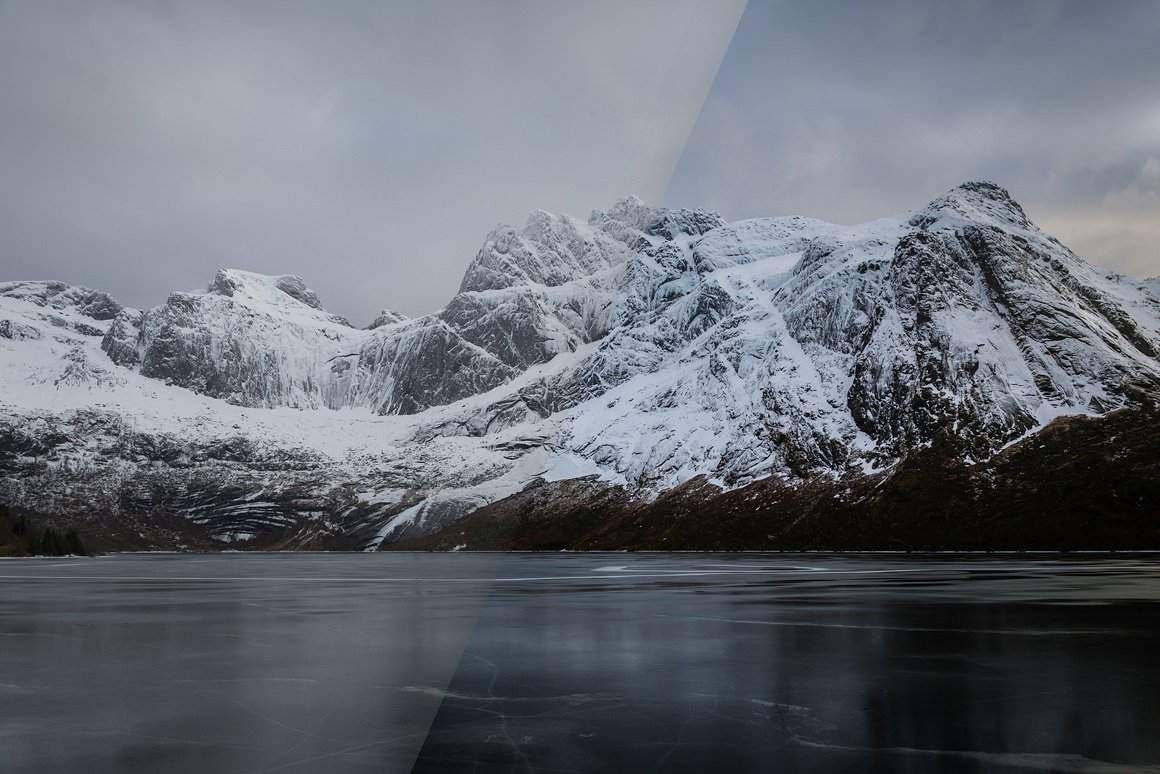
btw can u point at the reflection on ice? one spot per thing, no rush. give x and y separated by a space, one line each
819 663
640 662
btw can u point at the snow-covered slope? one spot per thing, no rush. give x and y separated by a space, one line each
266 342
645 346
789 346
249 339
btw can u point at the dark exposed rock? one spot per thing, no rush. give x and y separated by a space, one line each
122 339
1081 484
512 327
427 364
57 295
672 223
17 331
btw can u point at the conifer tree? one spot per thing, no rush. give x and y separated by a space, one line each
72 544
50 543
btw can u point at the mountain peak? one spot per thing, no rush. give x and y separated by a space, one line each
984 189
974 200
387 317
248 285
59 295
283 295
629 210
691 222
552 250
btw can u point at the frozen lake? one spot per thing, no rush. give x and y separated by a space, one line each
615 662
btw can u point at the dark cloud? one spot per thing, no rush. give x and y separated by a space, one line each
849 111
370 146
367 146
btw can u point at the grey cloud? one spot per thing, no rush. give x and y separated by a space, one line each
849 111
366 146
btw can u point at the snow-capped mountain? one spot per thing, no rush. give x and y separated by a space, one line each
646 347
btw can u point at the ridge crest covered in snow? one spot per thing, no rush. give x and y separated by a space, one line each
643 346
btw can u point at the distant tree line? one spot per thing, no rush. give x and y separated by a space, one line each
21 537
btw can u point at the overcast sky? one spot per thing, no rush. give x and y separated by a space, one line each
369 147
848 111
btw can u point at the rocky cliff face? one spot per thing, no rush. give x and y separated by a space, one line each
647 347
792 346
266 342
248 339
